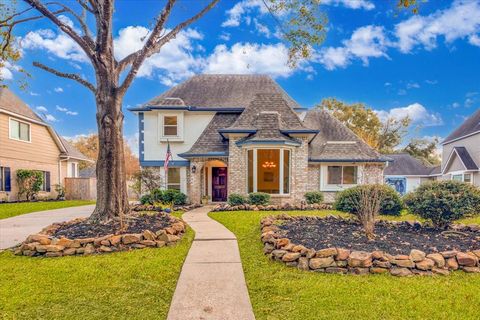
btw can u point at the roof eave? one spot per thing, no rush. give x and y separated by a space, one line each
203 155
348 160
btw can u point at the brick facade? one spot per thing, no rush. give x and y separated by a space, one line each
237 167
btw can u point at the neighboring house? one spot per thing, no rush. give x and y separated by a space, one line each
405 173
461 152
243 133
27 142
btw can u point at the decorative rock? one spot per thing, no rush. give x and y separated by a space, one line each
452 263
86 240
341 263
54 248
179 227
299 248
131 238
98 241
53 254
278 254
317 263
477 253
105 249
303 263
360 259
438 259
449 254
160 243
291 256
400 272
291 263
268 248
467 260
426 264
378 270
89 249
40 238
148 243
105 243
324 253
336 270
282 242
404 263
417 255
115 240
471 269
69 251
67 243
149 235
168 238
342 254
440 271
359 271
137 246
310 253
382 264
401 257
377 255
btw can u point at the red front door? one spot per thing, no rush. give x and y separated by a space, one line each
219 184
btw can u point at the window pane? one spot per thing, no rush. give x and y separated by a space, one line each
250 170
334 175
24 132
286 171
457 177
349 175
268 171
173 186
170 120
173 175
467 178
170 131
14 129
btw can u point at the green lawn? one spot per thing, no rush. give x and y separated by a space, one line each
8 210
279 292
128 285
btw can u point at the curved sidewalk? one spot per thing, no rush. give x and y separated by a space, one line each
211 284
16 229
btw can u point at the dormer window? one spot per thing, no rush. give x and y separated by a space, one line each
170 126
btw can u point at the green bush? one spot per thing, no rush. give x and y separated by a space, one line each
29 183
444 201
168 196
391 204
236 199
259 198
313 197
146 199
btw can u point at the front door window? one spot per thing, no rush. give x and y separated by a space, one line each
219 184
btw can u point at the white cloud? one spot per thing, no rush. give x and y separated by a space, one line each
41 109
417 113
365 43
456 105
61 109
241 10
72 113
350 4
58 89
59 45
262 29
225 36
66 110
413 85
6 71
461 20
474 40
247 58
34 94
387 84
176 58
432 82
50 118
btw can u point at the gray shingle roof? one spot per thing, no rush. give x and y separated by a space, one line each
10 102
222 90
405 165
335 141
210 141
72 151
471 125
466 158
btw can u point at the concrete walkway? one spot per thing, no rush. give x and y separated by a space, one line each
211 284
16 229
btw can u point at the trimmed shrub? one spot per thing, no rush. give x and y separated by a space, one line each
391 203
29 183
444 201
259 198
146 199
176 196
236 199
313 197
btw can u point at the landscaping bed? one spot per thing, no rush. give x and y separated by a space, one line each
337 245
273 207
81 237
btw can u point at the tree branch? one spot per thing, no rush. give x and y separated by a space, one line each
89 51
71 76
85 5
83 25
153 45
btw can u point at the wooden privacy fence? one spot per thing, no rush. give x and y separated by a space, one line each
80 188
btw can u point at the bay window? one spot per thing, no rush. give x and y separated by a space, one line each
268 170
342 175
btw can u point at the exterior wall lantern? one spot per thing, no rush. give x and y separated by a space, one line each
194 169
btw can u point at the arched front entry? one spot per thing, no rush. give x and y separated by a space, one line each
216 180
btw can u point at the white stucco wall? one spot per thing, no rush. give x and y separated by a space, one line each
155 147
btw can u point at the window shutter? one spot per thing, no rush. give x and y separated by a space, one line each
47 181
8 184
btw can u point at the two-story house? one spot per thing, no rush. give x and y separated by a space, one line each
461 152
27 142
244 133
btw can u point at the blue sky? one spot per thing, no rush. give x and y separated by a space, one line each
426 66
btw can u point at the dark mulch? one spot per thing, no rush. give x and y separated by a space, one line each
136 224
393 239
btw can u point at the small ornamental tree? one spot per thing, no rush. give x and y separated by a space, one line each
444 201
367 206
146 180
29 183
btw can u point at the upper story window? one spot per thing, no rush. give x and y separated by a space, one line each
170 126
19 130
342 175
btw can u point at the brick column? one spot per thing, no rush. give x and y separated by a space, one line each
237 167
372 173
300 178
194 186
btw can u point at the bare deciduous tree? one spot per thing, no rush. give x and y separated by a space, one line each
368 206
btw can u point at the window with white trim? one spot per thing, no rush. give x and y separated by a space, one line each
268 170
45 181
173 178
170 126
19 130
462 177
342 175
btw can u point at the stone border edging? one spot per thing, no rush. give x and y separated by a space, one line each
339 260
273 207
44 244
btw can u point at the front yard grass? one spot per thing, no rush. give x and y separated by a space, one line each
280 292
138 284
8 210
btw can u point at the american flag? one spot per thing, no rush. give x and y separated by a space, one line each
168 157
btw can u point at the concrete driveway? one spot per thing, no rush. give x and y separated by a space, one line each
16 229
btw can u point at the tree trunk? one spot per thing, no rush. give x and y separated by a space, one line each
112 198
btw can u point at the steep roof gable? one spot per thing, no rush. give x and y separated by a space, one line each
220 90
470 126
11 103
